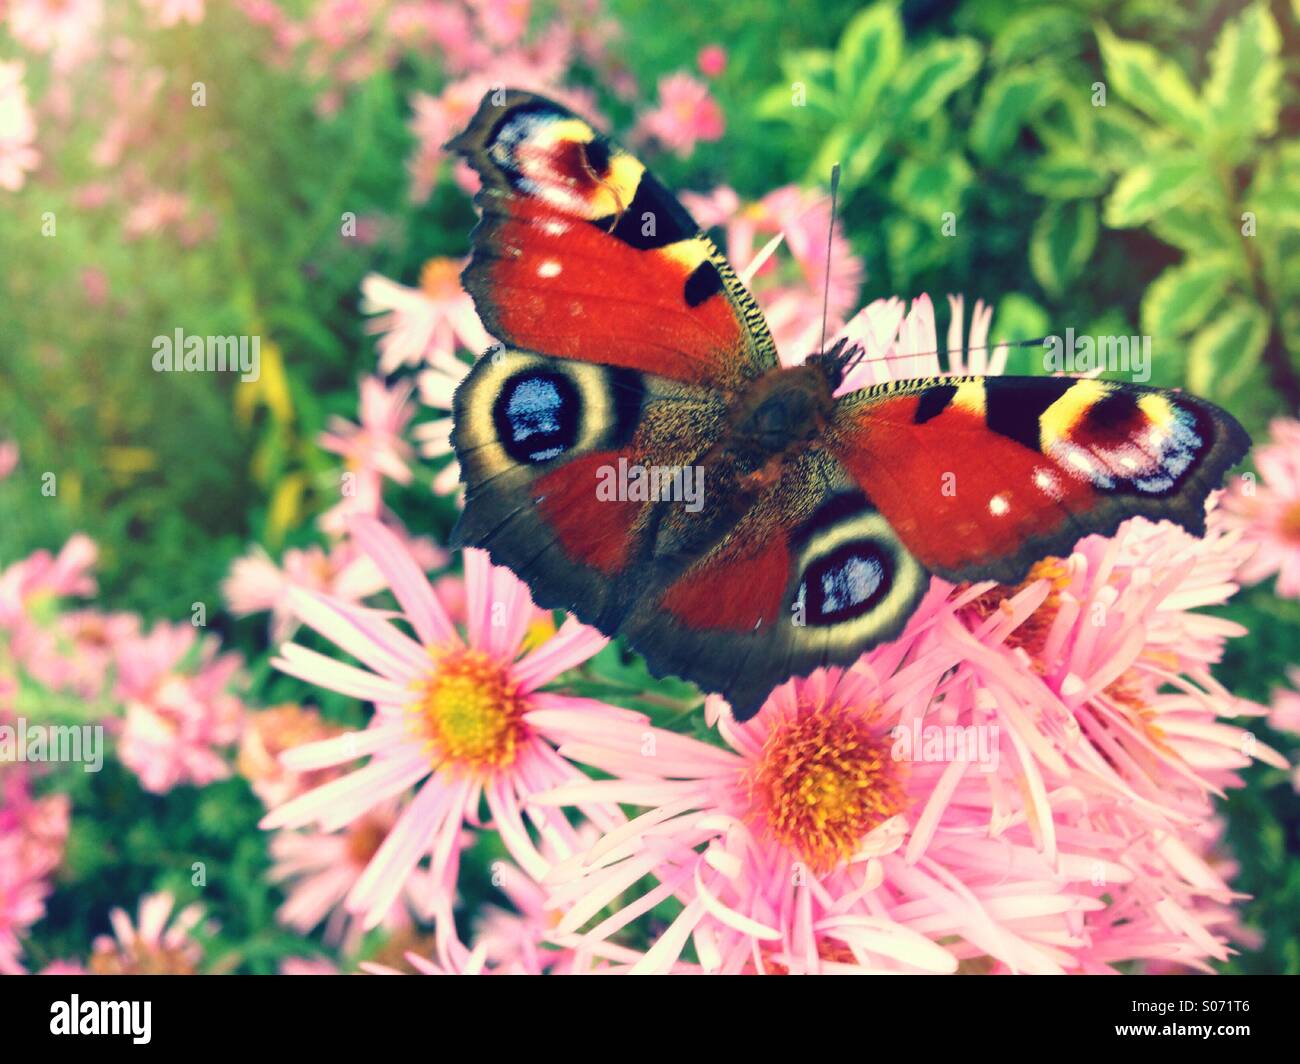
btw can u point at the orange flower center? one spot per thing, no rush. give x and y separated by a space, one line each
471 713
1033 630
141 959
1289 526
440 278
823 781
364 839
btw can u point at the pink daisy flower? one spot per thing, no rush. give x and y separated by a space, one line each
1268 510
374 450
463 720
427 325
317 871
267 734
76 652
813 842
686 114
42 576
158 943
177 718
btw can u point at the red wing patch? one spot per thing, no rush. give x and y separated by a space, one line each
734 591
981 477
593 531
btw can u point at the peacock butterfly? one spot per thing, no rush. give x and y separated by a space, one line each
628 341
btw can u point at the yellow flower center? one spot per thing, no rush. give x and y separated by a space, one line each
471 713
440 278
823 781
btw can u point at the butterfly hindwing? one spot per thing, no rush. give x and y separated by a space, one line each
581 253
809 575
983 476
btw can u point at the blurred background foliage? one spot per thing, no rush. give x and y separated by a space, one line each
1118 168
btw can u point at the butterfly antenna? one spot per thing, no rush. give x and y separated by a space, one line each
830 237
861 358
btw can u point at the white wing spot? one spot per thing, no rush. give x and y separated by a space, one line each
549 268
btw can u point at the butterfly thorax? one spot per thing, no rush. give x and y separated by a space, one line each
780 416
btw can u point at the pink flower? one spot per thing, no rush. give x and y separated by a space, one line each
462 720
425 325
374 450
171 12
18 156
8 458
502 22
67 29
1268 512
158 944
33 833
22 903
318 870
76 652
177 718
686 114
712 60
256 584
268 734
813 841
28 584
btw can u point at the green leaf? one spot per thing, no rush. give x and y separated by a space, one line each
926 189
1224 353
1241 95
1151 187
868 54
932 74
1008 102
1149 82
1197 225
1053 31
1181 298
1018 318
1061 243
1066 175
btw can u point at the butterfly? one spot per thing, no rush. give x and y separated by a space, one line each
629 343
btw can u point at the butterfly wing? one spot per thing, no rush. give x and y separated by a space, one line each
581 253
981 477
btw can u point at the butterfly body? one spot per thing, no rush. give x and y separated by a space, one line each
636 452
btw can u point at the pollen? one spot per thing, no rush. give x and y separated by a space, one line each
823 781
1033 631
440 278
470 713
